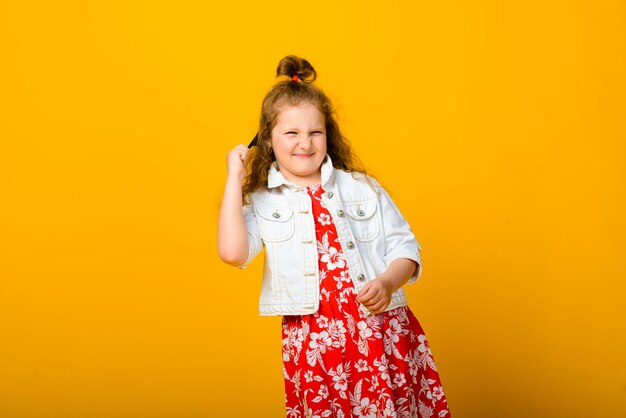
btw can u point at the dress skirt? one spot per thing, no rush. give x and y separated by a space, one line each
340 363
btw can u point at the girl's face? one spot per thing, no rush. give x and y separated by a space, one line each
299 143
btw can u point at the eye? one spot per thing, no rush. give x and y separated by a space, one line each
291 132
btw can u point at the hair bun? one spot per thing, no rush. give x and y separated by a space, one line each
292 65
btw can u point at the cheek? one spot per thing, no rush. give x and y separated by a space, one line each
281 146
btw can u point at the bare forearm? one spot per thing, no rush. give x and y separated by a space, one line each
232 236
398 273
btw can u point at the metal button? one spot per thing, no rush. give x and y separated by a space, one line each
360 212
360 277
276 215
350 244
340 212
329 194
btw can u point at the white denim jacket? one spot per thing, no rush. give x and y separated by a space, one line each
370 227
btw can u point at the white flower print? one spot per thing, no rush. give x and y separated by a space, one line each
392 336
322 321
319 341
292 343
412 360
334 259
383 369
339 284
308 376
342 279
438 393
340 379
365 409
321 394
396 327
343 296
375 322
361 365
331 256
317 346
337 332
324 219
364 330
399 380
425 357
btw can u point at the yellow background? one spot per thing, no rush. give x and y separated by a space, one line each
498 127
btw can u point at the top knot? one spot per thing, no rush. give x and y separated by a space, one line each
296 68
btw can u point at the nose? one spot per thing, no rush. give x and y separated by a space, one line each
305 142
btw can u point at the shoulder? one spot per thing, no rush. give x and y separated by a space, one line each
268 197
358 181
259 195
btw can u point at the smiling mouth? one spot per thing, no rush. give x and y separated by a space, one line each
303 155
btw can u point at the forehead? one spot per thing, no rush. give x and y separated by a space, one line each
301 113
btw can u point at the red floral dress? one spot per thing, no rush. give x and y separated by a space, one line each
340 363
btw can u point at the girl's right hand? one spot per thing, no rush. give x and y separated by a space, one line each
236 161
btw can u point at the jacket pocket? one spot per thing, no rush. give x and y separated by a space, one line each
275 224
363 219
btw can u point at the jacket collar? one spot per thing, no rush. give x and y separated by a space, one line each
275 178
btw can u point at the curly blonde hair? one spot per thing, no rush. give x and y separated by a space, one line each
288 92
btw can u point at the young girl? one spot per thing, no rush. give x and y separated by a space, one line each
337 253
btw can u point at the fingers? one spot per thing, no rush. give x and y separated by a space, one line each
373 298
367 294
374 301
241 151
380 309
377 304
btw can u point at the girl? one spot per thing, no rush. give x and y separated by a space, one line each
337 253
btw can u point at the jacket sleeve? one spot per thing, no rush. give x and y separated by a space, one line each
255 244
400 242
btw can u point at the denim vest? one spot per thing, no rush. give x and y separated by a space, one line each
370 228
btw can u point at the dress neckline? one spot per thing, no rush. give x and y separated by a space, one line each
314 187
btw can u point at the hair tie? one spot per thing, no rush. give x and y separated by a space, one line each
295 78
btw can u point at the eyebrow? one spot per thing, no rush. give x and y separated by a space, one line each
296 129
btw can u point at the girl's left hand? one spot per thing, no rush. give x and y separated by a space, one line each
376 295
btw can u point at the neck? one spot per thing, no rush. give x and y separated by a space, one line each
311 180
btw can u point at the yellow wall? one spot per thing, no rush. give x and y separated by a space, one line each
497 126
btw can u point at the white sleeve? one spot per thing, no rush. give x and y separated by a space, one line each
255 244
400 242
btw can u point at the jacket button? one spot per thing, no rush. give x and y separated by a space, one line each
350 244
329 194
360 212
360 277
276 215
340 212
